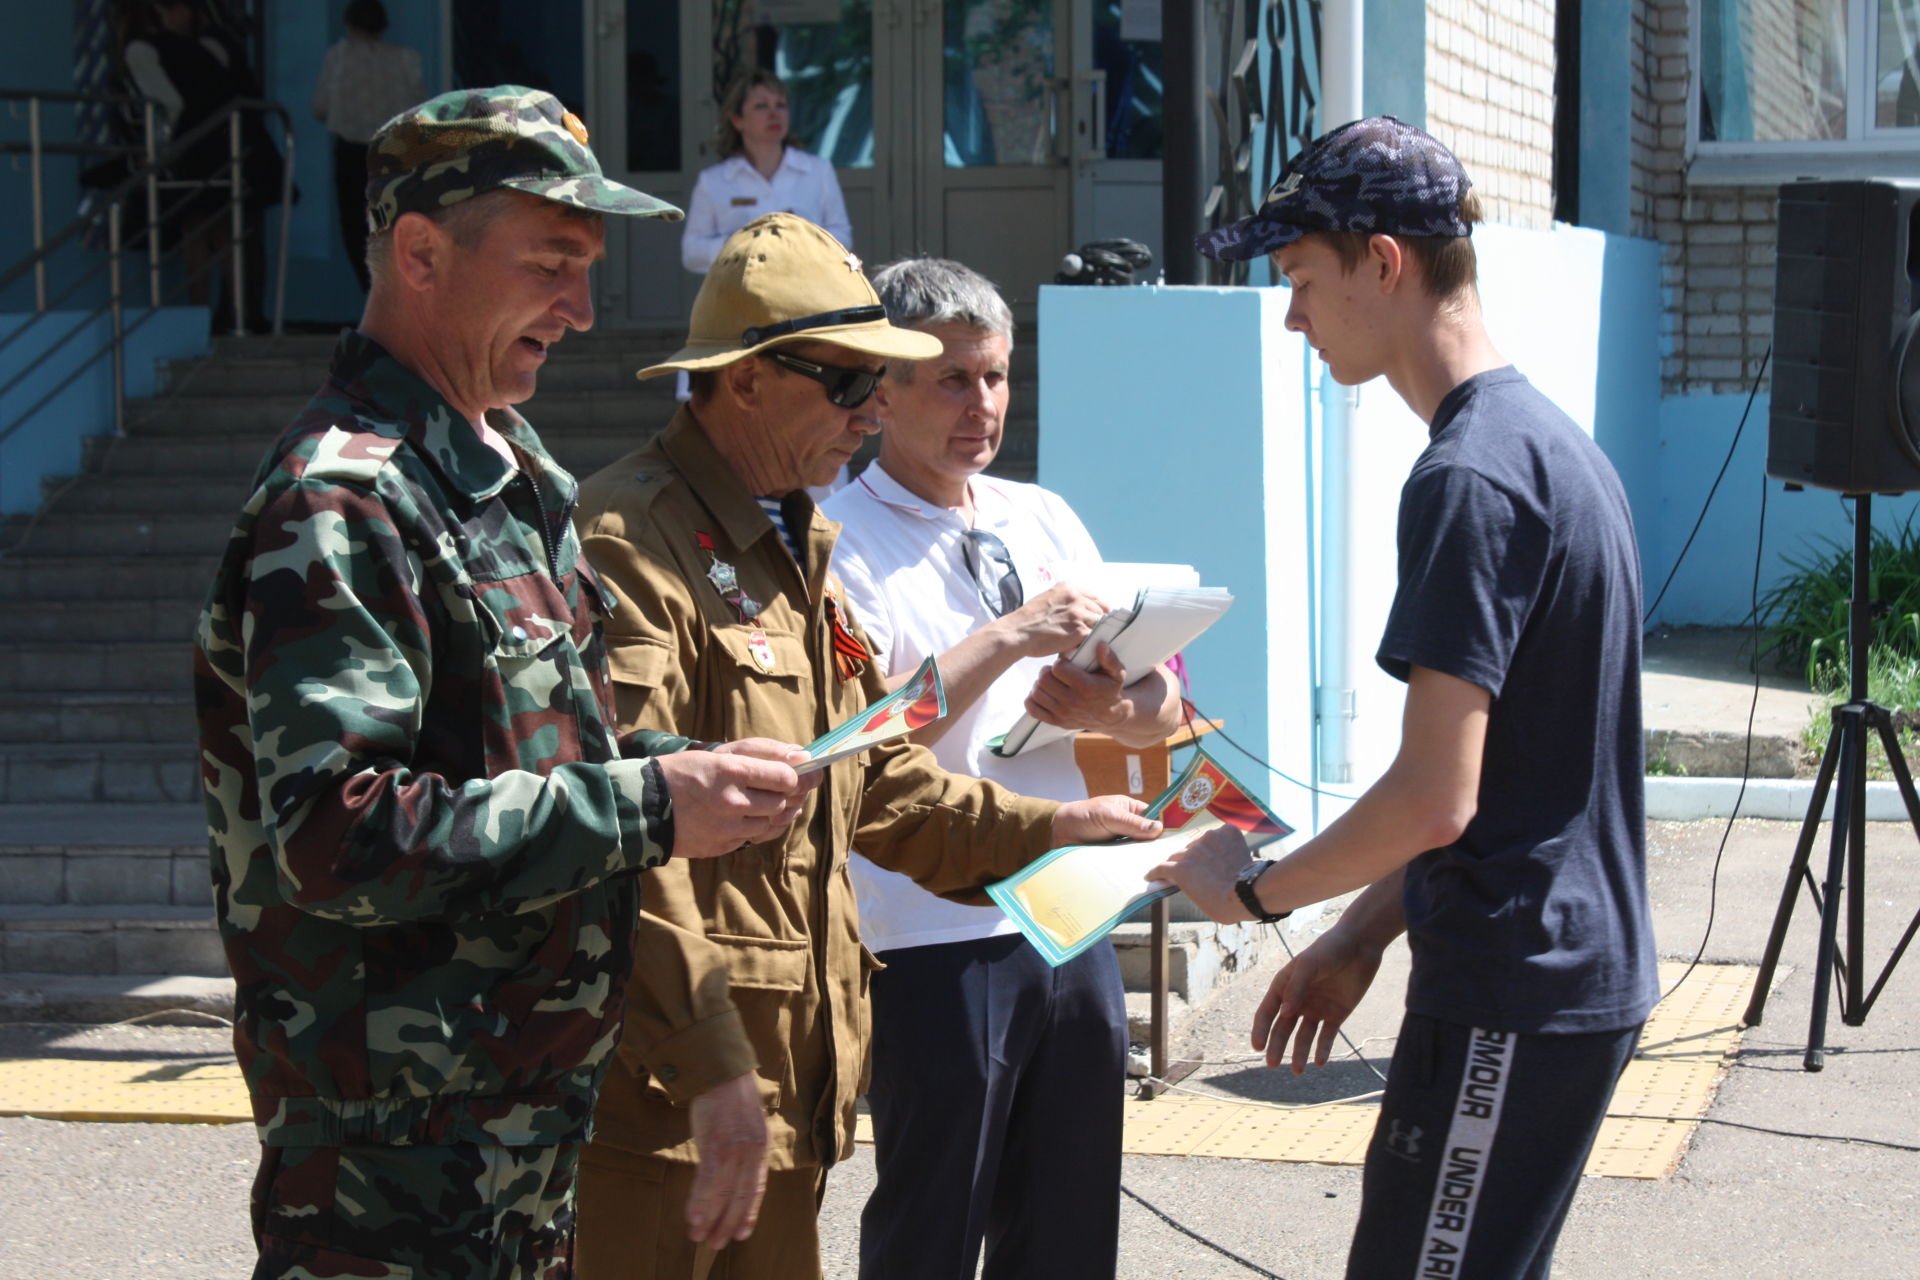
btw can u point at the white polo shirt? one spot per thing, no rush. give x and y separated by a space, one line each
729 195
901 561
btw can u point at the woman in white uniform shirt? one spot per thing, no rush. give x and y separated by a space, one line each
760 171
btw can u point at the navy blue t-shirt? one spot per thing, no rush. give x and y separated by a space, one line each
1519 573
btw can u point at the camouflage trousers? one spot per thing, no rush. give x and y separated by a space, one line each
415 1213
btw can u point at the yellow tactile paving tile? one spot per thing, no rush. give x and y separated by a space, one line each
1669 1084
69 1089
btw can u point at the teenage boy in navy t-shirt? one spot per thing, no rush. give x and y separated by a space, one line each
1507 838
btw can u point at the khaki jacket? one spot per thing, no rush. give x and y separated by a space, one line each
753 961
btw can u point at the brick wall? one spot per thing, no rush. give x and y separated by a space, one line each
1490 98
1717 268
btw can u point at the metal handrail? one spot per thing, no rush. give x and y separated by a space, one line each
146 174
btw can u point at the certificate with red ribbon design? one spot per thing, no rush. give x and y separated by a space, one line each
914 705
1074 896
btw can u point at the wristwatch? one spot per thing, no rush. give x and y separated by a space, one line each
1243 888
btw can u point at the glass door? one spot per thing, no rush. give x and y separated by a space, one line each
990 151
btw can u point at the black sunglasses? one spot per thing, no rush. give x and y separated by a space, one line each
991 565
848 388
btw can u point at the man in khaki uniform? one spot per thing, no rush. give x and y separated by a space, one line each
746 1027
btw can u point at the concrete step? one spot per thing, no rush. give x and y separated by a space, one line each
68 533
66 717
1201 955
104 772
92 855
221 457
210 495
156 999
286 376
97 666
28 580
68 621
109 940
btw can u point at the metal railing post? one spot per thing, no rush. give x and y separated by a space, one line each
286 226
153 214
119 321
34 146
236 267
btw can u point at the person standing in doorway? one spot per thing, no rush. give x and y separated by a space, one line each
364 82
760 171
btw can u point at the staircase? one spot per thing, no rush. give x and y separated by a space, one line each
103 879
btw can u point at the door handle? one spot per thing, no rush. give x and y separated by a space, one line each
1090 130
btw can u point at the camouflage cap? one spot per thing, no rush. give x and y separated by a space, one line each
1377 175
462 143
778 280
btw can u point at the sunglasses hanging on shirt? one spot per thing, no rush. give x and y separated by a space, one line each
991 565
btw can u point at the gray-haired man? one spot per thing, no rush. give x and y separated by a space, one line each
996 1089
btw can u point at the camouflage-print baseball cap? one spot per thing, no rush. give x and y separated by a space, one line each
1378 175
462 143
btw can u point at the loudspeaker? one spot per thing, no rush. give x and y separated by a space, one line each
1846 337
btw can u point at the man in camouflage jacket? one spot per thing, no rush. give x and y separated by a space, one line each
424 827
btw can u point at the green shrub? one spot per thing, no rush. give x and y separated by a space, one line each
1806 612
1893 681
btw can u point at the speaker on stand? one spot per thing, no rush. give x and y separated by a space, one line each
1845 416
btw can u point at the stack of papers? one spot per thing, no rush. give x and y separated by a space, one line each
1159 623
1074 896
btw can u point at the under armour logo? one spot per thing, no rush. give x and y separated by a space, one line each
1404 1141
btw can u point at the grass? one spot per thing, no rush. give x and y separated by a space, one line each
1893 681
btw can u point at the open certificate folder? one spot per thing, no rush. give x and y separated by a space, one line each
1074 896
914 705
1160 623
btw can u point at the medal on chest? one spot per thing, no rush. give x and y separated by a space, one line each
850 657
726 580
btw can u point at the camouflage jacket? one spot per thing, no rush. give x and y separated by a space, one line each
422 827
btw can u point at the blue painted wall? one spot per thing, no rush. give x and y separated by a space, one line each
1173 420
1714 584
49 442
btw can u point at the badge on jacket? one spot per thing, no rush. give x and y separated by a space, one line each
761 649
726 580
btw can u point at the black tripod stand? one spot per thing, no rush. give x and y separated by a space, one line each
1846 754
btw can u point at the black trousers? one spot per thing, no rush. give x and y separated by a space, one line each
1478 1151
996 1097
350 191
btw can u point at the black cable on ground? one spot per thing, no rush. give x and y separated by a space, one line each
1191 1234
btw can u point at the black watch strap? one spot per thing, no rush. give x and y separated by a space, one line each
1243 888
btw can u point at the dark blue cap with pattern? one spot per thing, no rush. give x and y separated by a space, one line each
1377 175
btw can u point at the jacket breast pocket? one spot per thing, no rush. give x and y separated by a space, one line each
761 684
534 677
640 670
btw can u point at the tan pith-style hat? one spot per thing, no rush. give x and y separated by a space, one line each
780 280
